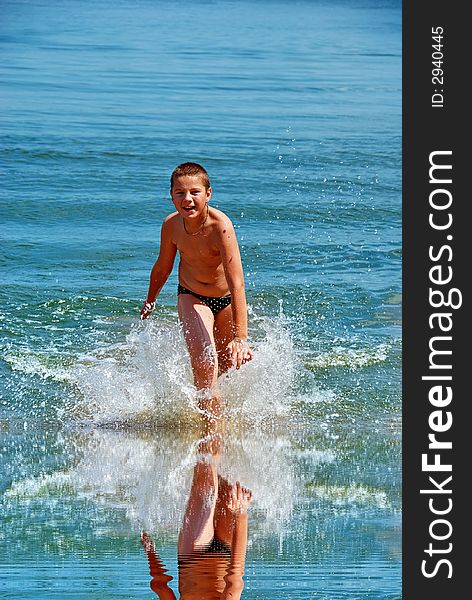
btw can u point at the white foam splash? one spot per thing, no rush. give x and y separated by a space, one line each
351 358
148 372
148 475
350 495
38 365
149 376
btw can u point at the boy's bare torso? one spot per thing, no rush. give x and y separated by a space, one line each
201 267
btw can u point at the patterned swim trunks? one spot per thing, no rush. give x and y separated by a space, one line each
215 304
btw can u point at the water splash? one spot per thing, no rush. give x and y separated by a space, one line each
147 476
350 495
143 376
350 358
148 378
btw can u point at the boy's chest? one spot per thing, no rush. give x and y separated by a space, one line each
198 248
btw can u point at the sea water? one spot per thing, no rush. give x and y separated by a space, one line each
294 109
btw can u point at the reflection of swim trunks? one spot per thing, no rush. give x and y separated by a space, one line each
214 304
216 547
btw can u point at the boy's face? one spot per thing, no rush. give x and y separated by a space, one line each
190 196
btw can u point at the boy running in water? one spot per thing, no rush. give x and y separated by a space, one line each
211 297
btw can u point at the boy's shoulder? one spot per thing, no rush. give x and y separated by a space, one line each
219 218
171 219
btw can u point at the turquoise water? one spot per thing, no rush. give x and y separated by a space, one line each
294 109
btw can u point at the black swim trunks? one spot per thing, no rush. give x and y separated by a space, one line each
215 304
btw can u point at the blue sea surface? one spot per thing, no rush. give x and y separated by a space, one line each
294 109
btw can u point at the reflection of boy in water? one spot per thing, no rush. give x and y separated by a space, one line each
212 540
211 297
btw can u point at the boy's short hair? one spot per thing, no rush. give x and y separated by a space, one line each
190 168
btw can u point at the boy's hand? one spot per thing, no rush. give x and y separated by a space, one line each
147 309
240 352
239 499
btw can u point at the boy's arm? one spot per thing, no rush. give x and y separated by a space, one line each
231 258
162 268
160 579
234 582
239 503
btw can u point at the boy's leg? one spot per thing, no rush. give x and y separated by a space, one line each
223 332
197 323
197 529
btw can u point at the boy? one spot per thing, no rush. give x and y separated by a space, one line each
211 297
